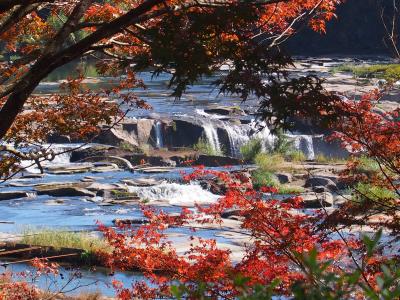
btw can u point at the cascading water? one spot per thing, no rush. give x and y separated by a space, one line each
61 158
238 136
212 136
159 134
175 194
304 143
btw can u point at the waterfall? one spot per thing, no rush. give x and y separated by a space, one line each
175 194
305 144
238 136
60 159
212 136
159 134
265 135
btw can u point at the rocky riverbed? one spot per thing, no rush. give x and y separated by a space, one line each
141 161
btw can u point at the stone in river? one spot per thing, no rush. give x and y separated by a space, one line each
32 176
284 177
69 169
150 170
95 186
65 191
55 202
13 195
321 181
142 182
317 200
225 110
130 221
105 167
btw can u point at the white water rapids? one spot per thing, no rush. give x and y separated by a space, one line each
175 194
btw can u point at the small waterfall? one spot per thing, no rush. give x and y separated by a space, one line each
159 134
305 144
175 194
212 136
238 136
62 158
265 135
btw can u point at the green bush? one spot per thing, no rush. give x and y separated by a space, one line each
321 158
128 147
262 178
250 150
269 162
367 166
296 156
282 144
389 72
289 189
367 192
204 147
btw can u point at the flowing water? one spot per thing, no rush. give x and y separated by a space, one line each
81 213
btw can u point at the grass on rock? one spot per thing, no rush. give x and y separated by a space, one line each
323 159
251 149
204 147
270 162
366 192
64 239
389 72
296 156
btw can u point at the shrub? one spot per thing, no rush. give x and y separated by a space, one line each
367 166
368 192
296 156
289 189
282 144
129 147
389 72
250 150
269 162
204 147
321 158
262 178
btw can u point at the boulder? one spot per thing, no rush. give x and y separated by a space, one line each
84 153
55 202
153 170
320 189
183 133
342 199
94 187
142 182
65 191
144 129
58 139
225 110
69 169
284 177
230 212
130 221
101 167
32 176
317 200
13 195
116 136
321 181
